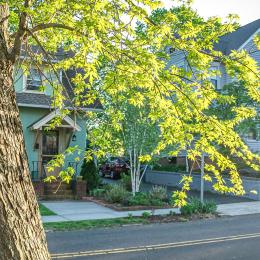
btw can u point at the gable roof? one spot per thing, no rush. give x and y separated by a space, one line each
44 121
234 40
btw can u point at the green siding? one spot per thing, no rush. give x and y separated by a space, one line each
28 117
20 81
31 115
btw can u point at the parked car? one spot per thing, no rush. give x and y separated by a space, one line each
114 167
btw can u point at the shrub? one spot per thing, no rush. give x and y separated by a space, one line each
156 202
89 173
158 193
210 207
146 214
99 193
126 181
140 198
195 206
107 186
117 194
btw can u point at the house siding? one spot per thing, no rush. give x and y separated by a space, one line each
252 50
29 116
178 59
20 82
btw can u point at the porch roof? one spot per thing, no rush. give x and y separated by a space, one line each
44 122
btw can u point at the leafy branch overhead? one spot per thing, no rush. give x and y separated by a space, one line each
115 58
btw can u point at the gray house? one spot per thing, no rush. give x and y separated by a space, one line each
241 39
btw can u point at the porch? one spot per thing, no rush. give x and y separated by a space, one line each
49 142
39 169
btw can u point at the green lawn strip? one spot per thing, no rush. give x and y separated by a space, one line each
97 223
45 211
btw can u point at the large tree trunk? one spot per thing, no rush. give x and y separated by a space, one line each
21 233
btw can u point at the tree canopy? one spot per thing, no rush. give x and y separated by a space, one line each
94 33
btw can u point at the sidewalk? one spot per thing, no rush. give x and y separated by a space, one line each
239 209
78 210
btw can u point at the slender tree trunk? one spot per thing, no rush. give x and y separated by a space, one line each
21 233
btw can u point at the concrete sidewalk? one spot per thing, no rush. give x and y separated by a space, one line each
239 209
79 210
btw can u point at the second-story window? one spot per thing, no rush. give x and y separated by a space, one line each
34 80
215 83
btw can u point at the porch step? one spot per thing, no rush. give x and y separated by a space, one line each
54 186
58 197
58 192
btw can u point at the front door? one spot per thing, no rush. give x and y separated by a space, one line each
50 147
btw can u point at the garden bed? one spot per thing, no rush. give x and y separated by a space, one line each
120 207
119 197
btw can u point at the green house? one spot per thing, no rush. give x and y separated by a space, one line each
36 112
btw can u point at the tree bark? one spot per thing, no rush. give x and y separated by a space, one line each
22 236
21 233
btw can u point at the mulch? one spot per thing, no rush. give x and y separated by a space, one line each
119 207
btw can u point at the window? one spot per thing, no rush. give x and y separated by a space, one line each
215 83
34 80
214 77
171 50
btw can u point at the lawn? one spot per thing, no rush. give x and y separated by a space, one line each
45 211
88 224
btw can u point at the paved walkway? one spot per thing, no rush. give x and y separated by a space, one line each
78 210
238 209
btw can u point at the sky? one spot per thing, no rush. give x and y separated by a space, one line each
248 10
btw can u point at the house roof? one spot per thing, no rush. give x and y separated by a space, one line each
46 119
30 99
27 99
234 40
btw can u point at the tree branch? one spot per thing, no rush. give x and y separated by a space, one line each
20 32
42 26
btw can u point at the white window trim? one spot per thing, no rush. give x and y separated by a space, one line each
218 78
25 90
29 90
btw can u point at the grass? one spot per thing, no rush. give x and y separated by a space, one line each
45 211
88 224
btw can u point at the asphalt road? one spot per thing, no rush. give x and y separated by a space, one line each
220 239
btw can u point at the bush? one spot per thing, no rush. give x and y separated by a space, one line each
126 181
117 194
195 206
140 199
158 193
99 193
146 214
90 174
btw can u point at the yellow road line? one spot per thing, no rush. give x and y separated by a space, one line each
154 247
